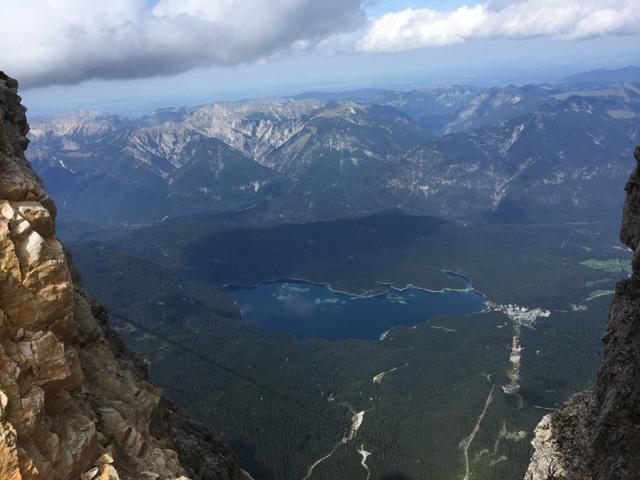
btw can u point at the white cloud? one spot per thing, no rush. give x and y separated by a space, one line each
67 41
46 42
563 19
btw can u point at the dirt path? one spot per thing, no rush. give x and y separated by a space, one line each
466 443
356 422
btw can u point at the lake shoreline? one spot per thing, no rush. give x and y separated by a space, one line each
302 307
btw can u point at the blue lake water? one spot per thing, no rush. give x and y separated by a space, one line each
310 310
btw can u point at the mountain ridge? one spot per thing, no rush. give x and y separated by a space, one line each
317 159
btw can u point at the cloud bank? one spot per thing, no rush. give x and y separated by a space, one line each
67 41
562 19
46 42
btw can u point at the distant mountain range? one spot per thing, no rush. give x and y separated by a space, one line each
431 107
562 162
516 153
599 77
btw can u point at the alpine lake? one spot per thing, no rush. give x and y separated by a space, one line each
313 310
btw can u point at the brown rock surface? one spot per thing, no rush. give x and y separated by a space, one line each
74 403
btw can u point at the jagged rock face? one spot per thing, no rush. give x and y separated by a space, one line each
73 402
616 440
596 435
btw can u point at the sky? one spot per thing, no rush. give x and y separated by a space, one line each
131 56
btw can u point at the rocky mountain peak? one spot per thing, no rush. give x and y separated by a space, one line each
630 232
17 180
74 403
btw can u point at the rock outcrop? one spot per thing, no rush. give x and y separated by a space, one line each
596 435
74 403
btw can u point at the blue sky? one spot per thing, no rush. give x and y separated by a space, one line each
380 7
130 56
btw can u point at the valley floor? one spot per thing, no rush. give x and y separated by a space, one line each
453 398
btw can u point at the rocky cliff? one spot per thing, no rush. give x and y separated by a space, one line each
596 435
74 403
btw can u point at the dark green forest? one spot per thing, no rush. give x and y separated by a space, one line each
416 420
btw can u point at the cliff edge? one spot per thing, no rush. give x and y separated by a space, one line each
74 403
596 435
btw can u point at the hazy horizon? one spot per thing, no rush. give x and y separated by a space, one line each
132 56
40 104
